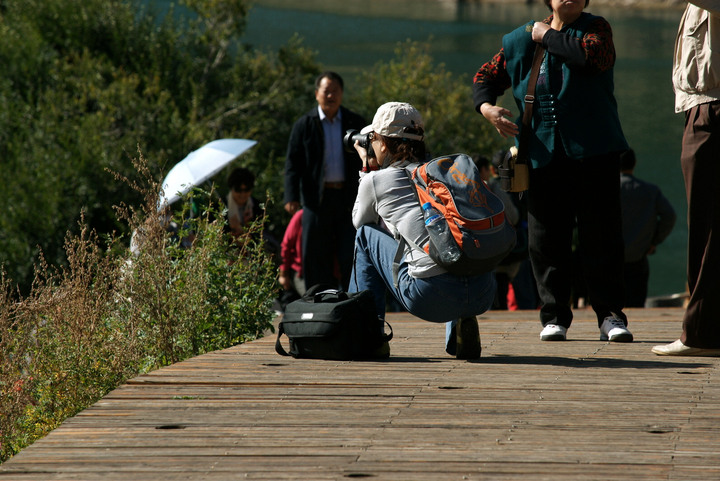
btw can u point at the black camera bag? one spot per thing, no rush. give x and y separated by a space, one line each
328 324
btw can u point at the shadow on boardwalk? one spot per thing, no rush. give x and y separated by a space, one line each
577 410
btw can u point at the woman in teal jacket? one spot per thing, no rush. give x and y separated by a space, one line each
574 148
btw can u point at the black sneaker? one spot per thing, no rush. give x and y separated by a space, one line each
467 338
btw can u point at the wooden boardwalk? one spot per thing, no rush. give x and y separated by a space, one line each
528 410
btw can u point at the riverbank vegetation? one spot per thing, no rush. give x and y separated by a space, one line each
108 315
86 82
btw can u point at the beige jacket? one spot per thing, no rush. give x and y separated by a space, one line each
696 66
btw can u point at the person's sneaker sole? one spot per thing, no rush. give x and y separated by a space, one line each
553 337
624 337
468 339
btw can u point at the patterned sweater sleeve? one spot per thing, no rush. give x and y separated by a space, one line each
491 81
594 52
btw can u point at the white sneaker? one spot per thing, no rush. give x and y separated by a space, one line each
613 329
553 332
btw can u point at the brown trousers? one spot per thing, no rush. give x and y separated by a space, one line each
700 160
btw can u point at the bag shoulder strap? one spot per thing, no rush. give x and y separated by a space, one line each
532 82
529 102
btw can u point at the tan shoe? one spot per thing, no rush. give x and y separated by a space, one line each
677 348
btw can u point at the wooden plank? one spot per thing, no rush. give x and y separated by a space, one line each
578 410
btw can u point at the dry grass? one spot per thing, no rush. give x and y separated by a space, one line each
109 315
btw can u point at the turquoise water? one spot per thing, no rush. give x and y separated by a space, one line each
352 35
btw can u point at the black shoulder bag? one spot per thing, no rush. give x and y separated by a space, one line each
330 324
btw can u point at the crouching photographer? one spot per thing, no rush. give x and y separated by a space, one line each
386 209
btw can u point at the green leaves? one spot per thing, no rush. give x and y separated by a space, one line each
445 101
87 81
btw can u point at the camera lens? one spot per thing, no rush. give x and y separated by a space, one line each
363 140
354 135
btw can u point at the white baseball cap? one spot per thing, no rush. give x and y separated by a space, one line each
397 119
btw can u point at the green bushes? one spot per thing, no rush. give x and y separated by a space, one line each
86 81
110 315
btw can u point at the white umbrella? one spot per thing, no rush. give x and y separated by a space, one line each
199 166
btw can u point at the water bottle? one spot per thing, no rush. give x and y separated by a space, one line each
437 227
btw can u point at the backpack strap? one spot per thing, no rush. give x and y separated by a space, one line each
402 241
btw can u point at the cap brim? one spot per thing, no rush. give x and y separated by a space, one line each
367 129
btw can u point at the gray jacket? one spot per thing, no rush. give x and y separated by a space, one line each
386 197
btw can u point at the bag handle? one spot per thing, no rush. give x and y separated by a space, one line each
387 337
324 293
529 102
278 346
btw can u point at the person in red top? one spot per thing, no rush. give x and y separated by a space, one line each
290 276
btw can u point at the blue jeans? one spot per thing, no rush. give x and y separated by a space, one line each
441 298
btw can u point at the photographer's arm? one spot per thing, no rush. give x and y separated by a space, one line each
365 208
369 162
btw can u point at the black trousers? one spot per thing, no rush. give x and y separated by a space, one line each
700 160
328 241
637 276
583 193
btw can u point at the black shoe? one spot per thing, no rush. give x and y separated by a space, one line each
451 346
467 338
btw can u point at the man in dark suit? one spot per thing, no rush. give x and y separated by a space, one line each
322 177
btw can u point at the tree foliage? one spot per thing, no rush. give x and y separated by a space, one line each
444 100
86 81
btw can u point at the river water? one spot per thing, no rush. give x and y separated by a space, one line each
352 35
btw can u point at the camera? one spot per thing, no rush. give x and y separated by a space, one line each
351 136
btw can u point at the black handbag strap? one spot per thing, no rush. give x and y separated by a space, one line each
387 336
278 346
529 102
